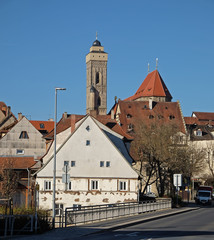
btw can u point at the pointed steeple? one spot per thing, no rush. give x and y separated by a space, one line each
153 87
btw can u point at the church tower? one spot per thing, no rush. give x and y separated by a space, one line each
96 76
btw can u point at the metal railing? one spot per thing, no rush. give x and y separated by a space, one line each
11 224
76 215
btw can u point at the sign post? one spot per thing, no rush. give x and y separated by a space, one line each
177 181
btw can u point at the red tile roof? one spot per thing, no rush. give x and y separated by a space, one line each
112 124
152 86
200 118
17 162
162 112
206 116
63 124
48 125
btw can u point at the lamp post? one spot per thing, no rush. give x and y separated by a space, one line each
54 163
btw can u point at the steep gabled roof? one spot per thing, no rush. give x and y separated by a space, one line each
43 125
17 162
105 131
204 116
65 123
152 86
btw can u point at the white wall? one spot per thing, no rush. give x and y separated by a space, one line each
87 159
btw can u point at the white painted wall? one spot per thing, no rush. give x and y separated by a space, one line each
87 159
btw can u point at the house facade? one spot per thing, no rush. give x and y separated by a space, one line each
150 105
200 128
23 139
92 167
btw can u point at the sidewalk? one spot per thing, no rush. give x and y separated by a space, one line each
77 232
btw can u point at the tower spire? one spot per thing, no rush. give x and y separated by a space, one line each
96 35
156 63
148 68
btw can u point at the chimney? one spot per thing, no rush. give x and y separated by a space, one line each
8 110
73 121
150 104
112 114
20 116
65 115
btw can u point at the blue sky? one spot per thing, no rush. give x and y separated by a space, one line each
43 44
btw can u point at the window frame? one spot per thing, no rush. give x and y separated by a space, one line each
20 151
102 164
123 185
73 163
94 185
108 164
23 135
49 186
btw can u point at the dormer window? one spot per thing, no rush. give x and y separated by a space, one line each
23 135
128 115
130 127
198 133
42 125
151 116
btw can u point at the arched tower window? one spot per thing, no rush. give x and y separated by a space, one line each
97 78
98 101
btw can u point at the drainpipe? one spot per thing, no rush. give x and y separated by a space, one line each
28 186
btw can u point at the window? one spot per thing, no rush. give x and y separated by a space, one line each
171 117
69 186
101 163
151 116
97 78
128 115
122 185
73 163
88 142
94 185
42 125
58 209
76 207
20 151
130 127
47 185
23 135
198 133
98 101
66 163
87 128
108 164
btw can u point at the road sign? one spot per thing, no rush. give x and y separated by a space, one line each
177 180
66 178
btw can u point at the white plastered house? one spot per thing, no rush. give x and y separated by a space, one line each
99 168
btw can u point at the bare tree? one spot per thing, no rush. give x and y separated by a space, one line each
159 154
9 179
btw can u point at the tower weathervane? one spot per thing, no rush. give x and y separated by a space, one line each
96 35
148 67
156 63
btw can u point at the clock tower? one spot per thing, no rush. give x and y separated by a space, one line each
96 77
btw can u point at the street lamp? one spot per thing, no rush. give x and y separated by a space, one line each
54 164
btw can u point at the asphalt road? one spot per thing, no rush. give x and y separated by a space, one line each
195 225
